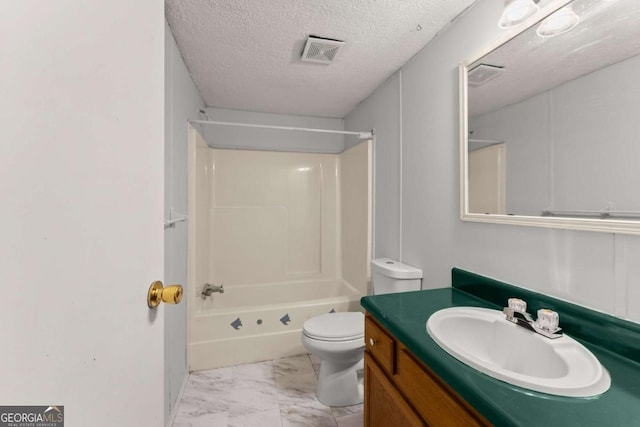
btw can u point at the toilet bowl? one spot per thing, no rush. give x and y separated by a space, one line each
337 339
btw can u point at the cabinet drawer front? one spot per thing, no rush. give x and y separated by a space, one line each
379 345
434 403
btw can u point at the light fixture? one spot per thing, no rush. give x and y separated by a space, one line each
559 22
516 12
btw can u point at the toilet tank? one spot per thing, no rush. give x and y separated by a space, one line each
390 276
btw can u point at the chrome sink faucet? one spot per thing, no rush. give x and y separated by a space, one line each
546 324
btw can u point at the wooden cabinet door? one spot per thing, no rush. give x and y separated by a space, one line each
435 404
383 404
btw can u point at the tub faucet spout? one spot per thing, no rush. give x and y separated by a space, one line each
208 289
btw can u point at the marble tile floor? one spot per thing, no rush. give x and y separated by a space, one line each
277 393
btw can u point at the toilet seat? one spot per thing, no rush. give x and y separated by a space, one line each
344 326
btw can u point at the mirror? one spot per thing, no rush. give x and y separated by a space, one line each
550 126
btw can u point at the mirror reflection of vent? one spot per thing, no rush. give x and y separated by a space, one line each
321 50
482 73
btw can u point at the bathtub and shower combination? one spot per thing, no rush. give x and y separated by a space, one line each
287 234
249 323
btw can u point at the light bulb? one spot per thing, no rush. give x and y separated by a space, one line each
559 22
516 12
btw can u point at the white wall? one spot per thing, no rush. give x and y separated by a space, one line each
593 269
382 112
271 139
182 102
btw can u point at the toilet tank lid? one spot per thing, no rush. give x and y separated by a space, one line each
395 269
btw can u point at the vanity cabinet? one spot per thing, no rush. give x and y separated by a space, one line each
401 391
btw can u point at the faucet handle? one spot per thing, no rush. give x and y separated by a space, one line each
548 320
517 304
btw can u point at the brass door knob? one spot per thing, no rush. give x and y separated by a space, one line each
157 293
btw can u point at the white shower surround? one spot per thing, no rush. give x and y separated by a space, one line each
268 226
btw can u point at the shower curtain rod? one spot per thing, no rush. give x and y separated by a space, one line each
360 135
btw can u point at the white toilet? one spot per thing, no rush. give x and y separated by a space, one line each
337 339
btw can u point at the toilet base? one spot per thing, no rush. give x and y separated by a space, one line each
340 384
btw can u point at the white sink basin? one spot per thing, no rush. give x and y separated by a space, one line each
486 341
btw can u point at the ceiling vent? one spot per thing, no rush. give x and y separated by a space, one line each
321 50
482 73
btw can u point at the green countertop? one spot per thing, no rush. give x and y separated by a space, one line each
405 316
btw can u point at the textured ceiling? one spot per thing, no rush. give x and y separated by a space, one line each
245 54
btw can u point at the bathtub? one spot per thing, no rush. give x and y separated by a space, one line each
251 323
